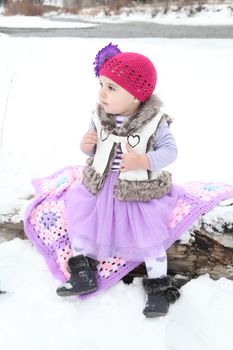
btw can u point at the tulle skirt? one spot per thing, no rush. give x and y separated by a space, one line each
102 226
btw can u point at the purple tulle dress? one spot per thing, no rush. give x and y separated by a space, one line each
100 225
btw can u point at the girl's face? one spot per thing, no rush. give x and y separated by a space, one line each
116 100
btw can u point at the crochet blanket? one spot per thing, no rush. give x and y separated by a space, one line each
46 227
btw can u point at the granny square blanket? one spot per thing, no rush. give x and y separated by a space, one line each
46 227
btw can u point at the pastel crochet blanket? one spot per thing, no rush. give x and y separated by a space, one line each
46 227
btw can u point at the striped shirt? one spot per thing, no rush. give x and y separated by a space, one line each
117 160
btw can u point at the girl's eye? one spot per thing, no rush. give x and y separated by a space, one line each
111 88
100 84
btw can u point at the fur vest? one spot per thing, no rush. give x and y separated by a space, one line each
138 131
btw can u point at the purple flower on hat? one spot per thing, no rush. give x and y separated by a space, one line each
103 55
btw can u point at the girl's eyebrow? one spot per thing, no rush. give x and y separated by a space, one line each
113 85
108 83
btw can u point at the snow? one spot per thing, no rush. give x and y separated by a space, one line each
217 14
47 92
38 22
34 317
219 218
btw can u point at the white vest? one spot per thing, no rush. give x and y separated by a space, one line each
138 141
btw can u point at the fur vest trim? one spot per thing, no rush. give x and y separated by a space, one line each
141 185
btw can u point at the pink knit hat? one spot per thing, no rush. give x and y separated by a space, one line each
132 71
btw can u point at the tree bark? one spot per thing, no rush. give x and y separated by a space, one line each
207 253
10 230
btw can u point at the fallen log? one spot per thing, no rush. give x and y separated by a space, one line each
208 250
10 230
205 252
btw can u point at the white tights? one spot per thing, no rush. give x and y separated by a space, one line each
157 267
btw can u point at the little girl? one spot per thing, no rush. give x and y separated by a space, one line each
122 207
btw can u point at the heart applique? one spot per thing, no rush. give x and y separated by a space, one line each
103 135
133 140
161 258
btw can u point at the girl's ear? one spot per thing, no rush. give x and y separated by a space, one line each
135 100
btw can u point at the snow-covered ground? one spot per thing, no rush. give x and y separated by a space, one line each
39 22
34 317
47 92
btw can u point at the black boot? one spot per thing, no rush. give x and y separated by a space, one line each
82 279
160 293
2 291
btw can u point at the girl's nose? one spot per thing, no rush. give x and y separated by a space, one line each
102 92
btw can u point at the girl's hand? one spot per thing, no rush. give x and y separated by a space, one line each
132 160
88 142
